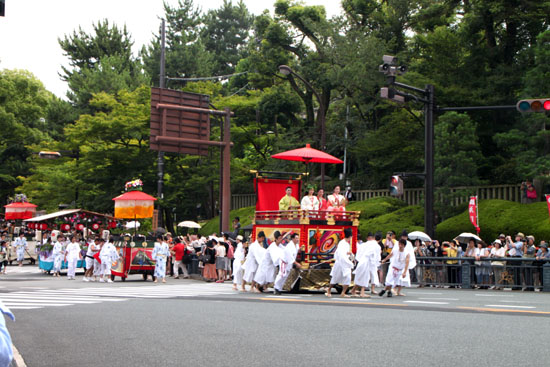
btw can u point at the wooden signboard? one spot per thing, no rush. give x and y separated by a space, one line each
175 126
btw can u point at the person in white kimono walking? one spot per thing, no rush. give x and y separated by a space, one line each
58 253
267 268
368 259
72 254
238 262
107 255
398 271
253 259
341 270
288 259
20 247
160 254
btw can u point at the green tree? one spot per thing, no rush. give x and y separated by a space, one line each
23 111
99 62
457 161
226 34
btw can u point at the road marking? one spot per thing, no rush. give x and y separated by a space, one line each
430 293
441 299
339 301
429 303
510 306
23 308
275 296
10 304
493 295
497 310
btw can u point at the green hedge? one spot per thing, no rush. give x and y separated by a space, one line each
500 216
410 218
213 225
375 207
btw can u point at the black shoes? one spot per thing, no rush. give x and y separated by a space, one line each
276 292
381 293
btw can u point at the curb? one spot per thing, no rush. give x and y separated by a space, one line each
17 358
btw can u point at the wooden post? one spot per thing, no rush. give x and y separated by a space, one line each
226 184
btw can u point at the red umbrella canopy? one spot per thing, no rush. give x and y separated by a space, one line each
307 155
20 210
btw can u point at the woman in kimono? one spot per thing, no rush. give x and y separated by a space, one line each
160 254
20 247
58 253
341 270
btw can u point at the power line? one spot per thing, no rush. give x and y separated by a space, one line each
219 77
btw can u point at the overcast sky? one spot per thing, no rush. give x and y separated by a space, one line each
30 29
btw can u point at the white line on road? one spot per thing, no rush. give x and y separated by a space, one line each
494 295
441 299
504 300
28 296
509 306
10 304
23 308
429 303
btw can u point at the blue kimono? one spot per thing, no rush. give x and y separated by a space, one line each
20 246
160 254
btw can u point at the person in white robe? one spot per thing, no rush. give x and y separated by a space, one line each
368 259
108 255
92 250
253 259
398 271
58 253
267 268
238 270
289 252
72 254
310 201
341 270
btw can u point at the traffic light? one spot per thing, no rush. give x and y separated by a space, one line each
2 8
49 155
389 93
396 186
533 105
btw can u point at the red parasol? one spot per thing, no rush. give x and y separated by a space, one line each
307 155
20 210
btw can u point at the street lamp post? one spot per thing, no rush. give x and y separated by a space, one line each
287 71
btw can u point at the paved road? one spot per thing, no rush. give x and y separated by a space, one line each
68 323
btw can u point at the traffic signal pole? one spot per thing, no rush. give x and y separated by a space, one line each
429 107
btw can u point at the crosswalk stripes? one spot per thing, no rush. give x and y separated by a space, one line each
33 299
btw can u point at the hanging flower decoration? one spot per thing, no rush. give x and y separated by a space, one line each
19 198
135 185
66 227
95 226
79 227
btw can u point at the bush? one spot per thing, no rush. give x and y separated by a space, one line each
500 216
410 218
213 225
375 207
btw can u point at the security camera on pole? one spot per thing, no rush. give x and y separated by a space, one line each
391 68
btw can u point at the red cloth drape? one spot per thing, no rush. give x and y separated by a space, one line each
269 191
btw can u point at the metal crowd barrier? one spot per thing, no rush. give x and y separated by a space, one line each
517 273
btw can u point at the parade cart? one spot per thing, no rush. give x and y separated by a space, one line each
65 221
20 209
135 257
319 231
135 252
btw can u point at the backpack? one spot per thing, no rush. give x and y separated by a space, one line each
230 252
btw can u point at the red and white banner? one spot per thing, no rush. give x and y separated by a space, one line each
472 210
548 202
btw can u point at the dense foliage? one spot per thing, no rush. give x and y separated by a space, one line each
475 52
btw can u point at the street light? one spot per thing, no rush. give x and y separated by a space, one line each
287 71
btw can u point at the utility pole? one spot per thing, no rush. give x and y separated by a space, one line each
391 69
160 159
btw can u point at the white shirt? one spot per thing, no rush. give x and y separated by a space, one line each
310 203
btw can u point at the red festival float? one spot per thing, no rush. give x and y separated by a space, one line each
319 230
135 257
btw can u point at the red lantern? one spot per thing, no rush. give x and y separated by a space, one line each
79 227
43 226
95 226
65 227
30 225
